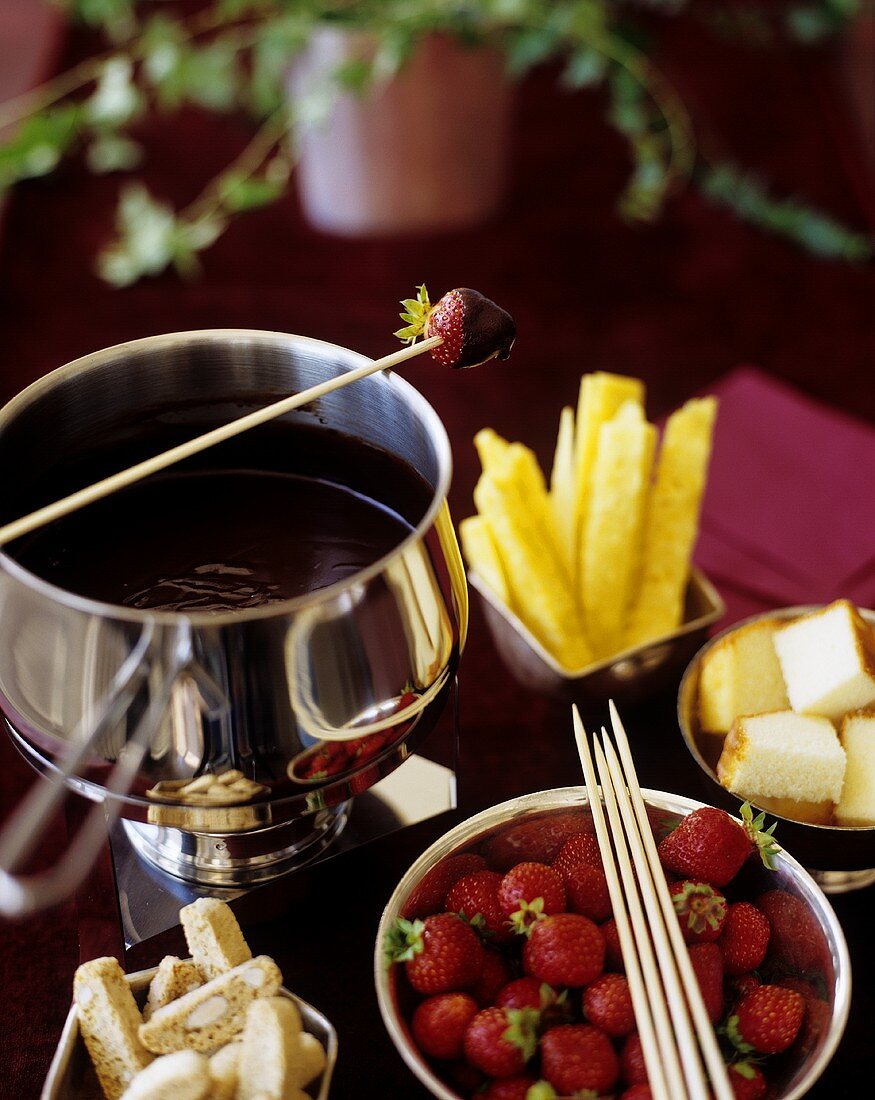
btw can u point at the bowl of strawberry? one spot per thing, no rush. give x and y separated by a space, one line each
499 972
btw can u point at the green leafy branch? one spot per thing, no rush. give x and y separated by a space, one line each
742 192
151 236
235 55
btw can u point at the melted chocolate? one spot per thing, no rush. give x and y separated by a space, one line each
213 538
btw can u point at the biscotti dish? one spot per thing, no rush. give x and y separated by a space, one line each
219 1026
72 1077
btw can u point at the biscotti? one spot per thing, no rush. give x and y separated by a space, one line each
273 1063
184 1075
174 978
224 1066
828 661
213 937
197 1028
109 1022
210 1016
783 755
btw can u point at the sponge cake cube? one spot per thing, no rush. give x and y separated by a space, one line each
740 674
783 755
857 804
828 661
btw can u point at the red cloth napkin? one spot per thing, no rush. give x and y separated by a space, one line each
788 513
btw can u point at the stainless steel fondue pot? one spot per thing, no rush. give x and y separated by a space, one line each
204 730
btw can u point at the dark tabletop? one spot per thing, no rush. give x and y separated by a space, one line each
677 304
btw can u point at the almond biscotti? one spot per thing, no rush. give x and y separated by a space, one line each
174 978
109 1022
184 1075
214 937
224 1067
274 1063
212 1015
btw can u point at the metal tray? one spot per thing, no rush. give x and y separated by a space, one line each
72 1077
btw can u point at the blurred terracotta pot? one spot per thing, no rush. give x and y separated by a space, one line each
425 151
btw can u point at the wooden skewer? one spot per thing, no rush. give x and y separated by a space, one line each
140 470
671 1043
704 1030
637 989
611 777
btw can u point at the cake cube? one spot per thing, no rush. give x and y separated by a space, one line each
828 661
857 804
783 755
740 674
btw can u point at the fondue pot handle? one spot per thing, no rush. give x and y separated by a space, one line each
21 895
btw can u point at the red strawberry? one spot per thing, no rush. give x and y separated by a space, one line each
797 941
700 908
499 1041
529 892
613 951
817 1012
747 1080
496 974
529 992
587 892
608 1004
632 1065
508 1088
539 840
475 897
583 848
710 845
525 993
708 967
473 327
428 895
745 938
565 949
575 1057
637 1092
439 1024
766 1020
442 954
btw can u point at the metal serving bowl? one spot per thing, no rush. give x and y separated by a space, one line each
534 827
626 677
840 857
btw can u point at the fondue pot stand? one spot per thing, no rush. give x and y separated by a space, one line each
202 731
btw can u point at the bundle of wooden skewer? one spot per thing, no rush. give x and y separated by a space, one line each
680 1048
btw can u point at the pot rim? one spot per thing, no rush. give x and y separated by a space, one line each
349 359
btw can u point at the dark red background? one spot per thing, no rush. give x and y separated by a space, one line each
678 304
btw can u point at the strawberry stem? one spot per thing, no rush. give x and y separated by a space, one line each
735 1037
416 314
403 941
765 843
522 1031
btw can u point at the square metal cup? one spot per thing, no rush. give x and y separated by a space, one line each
626 677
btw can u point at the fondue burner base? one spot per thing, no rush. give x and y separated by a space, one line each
237 859
157 870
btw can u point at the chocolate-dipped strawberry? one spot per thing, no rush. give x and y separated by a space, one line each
474 329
